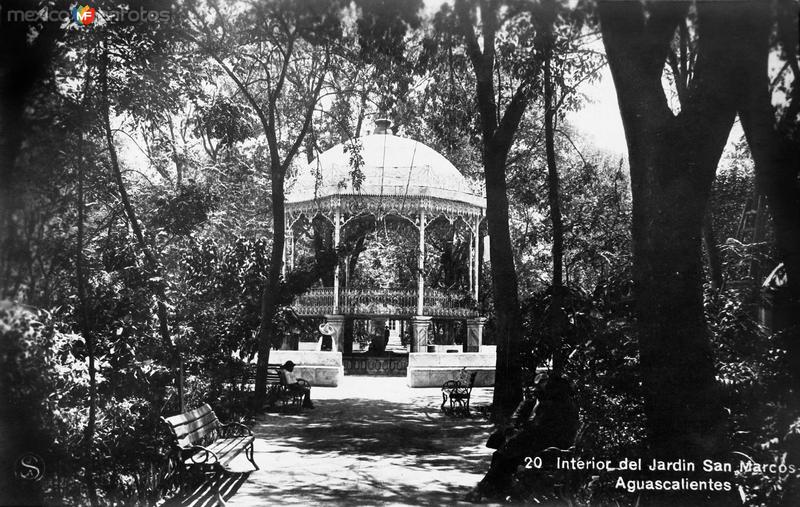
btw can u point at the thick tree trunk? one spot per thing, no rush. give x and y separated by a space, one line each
673 159
272 287
777 159
681 403
498 137
508 318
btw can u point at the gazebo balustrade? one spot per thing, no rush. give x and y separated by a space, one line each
397 302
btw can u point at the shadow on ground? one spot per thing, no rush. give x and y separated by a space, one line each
368 451
205 496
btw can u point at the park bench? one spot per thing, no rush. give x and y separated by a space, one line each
203 443
276 386
457 394
277 390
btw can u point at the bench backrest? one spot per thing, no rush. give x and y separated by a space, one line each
198 426
274 374
472 379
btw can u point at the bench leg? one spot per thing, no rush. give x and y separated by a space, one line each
217 477
250 456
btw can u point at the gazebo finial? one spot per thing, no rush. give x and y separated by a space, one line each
382 125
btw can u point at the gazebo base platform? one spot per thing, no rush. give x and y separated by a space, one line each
434 369
421 369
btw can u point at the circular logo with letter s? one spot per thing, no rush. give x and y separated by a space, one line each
29 467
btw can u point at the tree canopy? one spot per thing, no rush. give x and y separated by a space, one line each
144 167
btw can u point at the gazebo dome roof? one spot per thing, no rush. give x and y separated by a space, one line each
393 167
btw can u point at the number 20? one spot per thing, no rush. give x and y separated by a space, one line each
533 462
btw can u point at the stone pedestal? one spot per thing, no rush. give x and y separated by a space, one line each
433 370
474 334
419 327
337 321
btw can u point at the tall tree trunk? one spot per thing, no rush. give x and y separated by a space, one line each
88 334
776 152
553 193
153 264
268 114
673 160
497 138
272 287
508 318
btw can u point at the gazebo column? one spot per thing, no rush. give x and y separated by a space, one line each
476 258
474 334
420 322
421 265
290 239
283 252
470 265
337 223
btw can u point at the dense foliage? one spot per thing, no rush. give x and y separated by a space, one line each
139 244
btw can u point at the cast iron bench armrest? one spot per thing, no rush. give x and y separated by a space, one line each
201 426
234 429
194 449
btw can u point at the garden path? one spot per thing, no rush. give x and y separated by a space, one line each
370 441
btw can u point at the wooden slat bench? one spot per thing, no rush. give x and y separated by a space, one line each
202 442
458 395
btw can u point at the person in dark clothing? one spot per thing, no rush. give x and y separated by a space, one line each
552 422
327 331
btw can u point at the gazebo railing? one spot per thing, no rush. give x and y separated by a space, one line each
377 302
315 301
438 303
385 301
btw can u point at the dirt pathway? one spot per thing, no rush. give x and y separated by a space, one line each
371 441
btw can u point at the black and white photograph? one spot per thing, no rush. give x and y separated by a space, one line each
400 253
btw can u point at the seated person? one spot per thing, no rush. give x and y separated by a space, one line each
287 370
549 421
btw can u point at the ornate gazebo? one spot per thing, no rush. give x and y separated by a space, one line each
399 179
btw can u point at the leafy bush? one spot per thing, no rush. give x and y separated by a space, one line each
597 338
764 413
44 383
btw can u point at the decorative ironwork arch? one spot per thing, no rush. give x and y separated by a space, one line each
431 188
